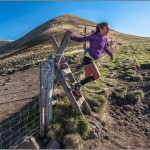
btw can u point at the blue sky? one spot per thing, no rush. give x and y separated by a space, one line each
19 18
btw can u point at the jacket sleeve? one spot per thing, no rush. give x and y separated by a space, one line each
81 39
108 50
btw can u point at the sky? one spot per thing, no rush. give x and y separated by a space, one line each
17 18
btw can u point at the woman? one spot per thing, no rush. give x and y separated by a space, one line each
98 43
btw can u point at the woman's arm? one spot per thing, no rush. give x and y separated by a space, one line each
81 39
108 51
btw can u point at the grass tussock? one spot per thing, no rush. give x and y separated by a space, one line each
135 96
72 141
98 103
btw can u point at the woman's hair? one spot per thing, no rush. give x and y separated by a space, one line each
100 25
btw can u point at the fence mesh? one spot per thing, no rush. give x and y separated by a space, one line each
25 122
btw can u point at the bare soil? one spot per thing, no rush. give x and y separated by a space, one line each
129 125
16 90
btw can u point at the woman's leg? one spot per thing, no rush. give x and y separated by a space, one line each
91 70
91 73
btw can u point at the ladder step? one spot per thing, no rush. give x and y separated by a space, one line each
66 71
80 101
75 102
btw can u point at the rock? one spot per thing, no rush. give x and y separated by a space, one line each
127 107
53 144
106 137
29 143
105 129
43 143
93 135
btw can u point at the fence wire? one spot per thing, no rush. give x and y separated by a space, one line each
24 123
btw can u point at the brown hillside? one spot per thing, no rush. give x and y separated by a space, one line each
57 27
41 33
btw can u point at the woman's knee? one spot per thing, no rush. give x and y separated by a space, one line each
97 76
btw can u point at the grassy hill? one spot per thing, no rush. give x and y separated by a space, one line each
120 99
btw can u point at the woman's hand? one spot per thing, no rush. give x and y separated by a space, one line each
111 58
69 31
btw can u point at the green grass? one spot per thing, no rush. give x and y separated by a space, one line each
66 120
120 92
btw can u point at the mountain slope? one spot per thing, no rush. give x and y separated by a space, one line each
41 33
57 27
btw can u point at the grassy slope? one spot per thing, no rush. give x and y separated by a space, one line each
116 78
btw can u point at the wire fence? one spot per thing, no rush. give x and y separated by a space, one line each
25 122
34 117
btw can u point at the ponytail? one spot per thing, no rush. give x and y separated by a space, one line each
97 29
100 26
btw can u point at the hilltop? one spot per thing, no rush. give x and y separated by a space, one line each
119 99
41 33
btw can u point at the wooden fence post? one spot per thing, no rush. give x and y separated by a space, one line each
46 89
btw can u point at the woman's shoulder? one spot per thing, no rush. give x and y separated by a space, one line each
105 37
92 32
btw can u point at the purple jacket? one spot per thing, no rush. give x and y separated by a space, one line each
98 44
